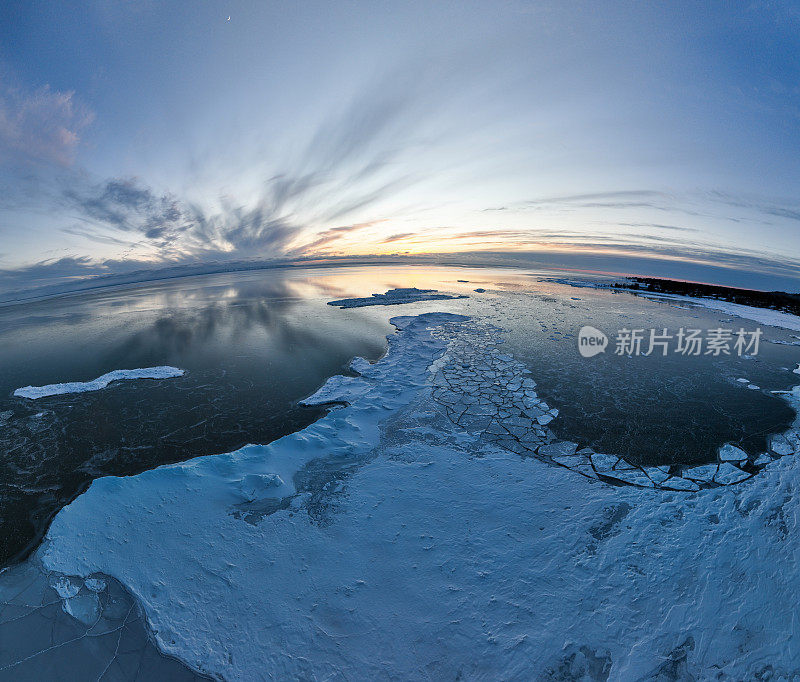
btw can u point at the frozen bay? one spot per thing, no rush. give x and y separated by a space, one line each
389 539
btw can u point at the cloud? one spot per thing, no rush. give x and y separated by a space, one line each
398 237
696 204
47 271
43 125
349 166
658 226
330 236
124 204
601 197
776 208
342 174
624 198
125 211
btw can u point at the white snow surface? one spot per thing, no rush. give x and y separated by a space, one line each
771 318
444 557
395 297
34 392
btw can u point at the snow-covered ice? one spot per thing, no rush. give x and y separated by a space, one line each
765 316
730 453
34 392
395 297
445 554
95 631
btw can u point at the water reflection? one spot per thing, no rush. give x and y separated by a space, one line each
254 343
251 350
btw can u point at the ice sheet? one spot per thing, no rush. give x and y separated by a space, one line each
35 392
447 556
395 297
772 318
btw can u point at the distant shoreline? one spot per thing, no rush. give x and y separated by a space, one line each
772 300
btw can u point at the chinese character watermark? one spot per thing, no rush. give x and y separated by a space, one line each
693 342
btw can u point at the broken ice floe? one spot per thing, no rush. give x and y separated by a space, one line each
727 473
395 297
34 392
780 445
488 392
730 453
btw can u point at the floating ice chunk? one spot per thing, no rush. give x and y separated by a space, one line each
561 448
544 419
480 291
763 459
603 463
753 387
64 586
623 465
779 444
657 474
730 453
797 369
728 474
34 392
794 439
395 297
743 381
704 472
630 476
678 483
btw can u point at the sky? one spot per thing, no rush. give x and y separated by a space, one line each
635 137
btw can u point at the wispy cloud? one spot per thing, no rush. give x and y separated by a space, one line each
126 212
624 198
125 205
659 226
40 125
331 236
350 166
789 210
696 204
398 237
